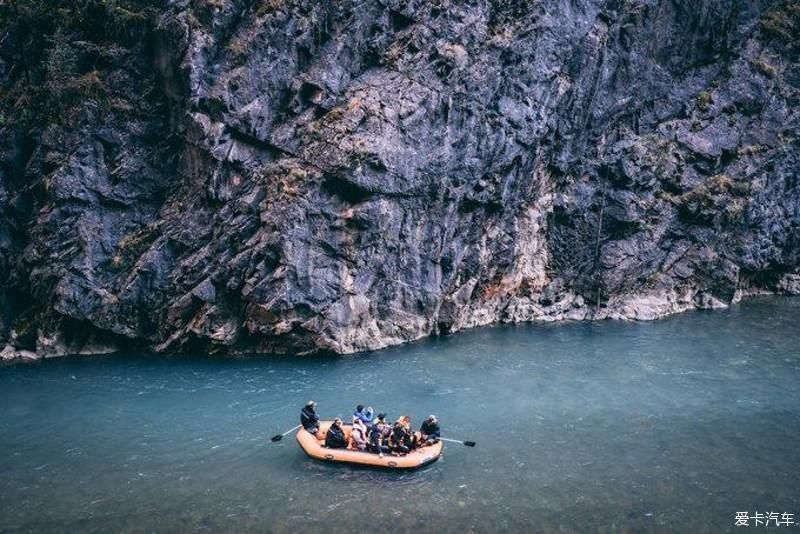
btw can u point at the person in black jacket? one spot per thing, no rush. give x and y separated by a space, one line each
309 418
400 440
334 437
378 435
429 432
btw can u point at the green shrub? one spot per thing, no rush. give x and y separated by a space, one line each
704 100
719 198
61 62
265 7
783 22
132 246
62 48
764 68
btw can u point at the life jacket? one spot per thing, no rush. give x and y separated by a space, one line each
406 422
309 418
358 435
376 433
386 431
399 433
335 439
430 429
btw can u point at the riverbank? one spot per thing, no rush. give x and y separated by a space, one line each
569 307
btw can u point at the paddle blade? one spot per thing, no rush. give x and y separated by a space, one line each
277 438
469 443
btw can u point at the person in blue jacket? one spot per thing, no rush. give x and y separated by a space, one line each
364 414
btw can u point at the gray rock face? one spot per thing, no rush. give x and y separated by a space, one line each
294 176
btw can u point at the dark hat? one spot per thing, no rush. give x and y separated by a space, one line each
381 416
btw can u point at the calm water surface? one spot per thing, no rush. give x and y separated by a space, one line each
672 425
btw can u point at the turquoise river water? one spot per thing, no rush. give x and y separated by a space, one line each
674 426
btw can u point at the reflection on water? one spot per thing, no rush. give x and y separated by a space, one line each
673 425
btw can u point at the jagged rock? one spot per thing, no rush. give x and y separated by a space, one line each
9 353
790 284
296 176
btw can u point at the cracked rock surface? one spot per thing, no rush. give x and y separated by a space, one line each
289 176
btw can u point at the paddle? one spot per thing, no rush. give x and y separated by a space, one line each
467 443
280 436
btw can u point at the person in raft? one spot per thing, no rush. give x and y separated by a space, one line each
401 440
429 432
379 435
334 437
364 415
359 435
309 418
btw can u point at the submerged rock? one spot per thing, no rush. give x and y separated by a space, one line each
294 176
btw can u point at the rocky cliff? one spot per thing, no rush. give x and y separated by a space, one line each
282 176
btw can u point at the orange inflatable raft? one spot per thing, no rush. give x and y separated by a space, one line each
315 449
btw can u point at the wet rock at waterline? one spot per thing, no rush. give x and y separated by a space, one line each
295 176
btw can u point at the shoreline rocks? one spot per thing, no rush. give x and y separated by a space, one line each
638 309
